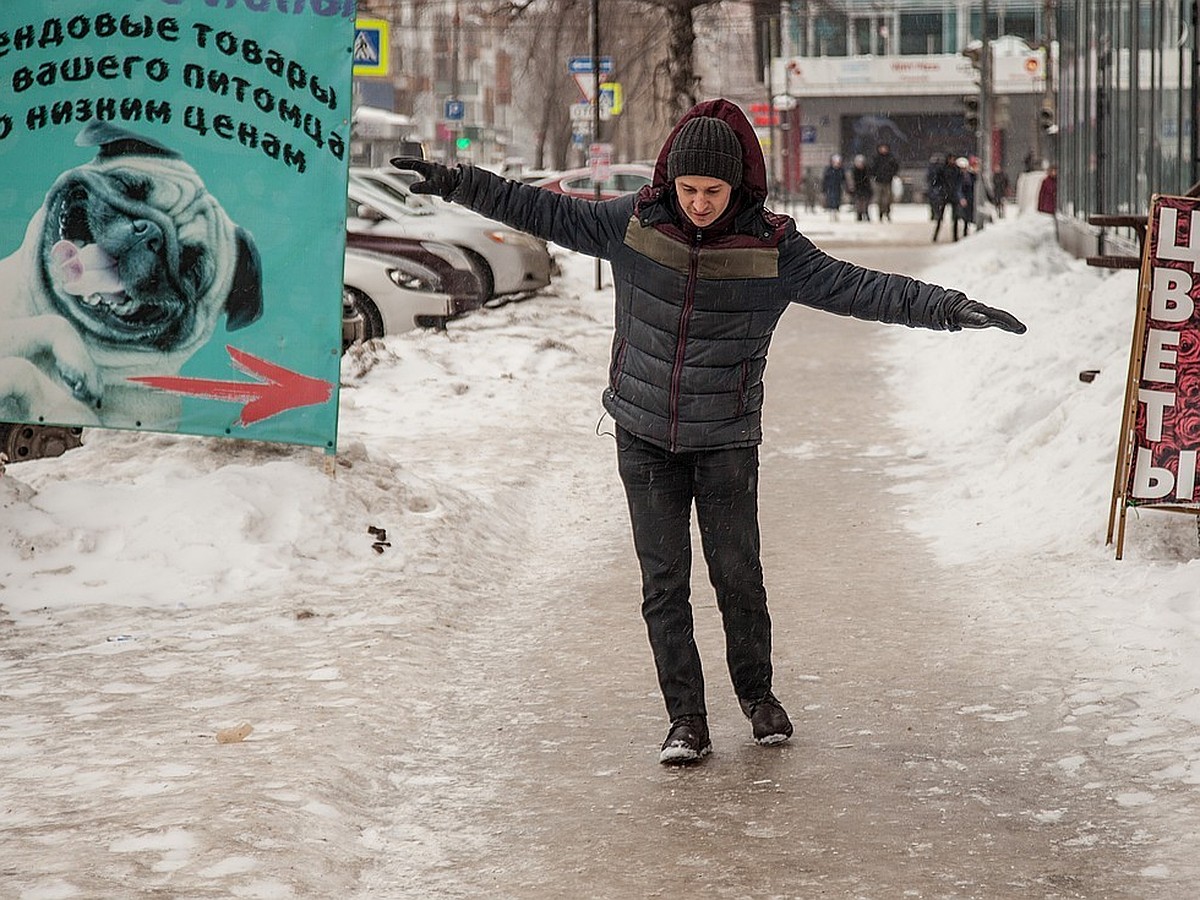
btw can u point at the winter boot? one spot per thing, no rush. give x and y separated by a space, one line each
770 723
687 741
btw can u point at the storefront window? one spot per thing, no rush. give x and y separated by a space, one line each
862 36
920 33
1022 23
829 35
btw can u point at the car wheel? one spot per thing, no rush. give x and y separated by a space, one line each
365 308
485 273
19 443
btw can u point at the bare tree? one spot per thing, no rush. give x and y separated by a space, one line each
678 67
545 34
654 61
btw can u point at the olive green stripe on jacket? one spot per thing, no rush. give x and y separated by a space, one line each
715 262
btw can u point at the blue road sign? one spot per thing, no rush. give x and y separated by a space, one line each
370 47
581 65
455 110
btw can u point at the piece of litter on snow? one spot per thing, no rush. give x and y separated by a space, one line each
234 735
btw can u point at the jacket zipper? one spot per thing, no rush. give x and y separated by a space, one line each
741 406
685 317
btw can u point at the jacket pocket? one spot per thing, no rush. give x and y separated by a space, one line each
618 365
742 380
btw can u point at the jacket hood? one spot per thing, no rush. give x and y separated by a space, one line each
653 203
754 167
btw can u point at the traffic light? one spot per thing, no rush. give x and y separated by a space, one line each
970 104
467 135
1046 119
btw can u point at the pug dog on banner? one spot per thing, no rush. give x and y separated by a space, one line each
125 271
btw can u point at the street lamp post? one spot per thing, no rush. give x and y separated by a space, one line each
985 116
595 29
452 134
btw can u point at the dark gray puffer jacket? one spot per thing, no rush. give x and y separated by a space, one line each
695 310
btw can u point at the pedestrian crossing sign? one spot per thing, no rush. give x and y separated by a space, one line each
371 48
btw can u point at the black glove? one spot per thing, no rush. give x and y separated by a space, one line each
976 315
436 178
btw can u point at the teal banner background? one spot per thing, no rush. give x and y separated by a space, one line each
255 96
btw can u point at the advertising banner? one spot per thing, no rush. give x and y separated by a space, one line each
1160 425
1166 425
172 214
1019 72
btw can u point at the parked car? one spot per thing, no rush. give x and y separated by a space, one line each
510 261
529 176
396 183
385 295
453 271
623 178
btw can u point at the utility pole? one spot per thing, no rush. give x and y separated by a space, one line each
1050 98
455 87
985 116
769 79
595 29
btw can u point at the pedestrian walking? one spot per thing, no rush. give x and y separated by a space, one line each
964 197
940 177
884 168
833 185
1000 186
809 188
702 272
861 188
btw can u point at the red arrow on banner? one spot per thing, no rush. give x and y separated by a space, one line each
281 389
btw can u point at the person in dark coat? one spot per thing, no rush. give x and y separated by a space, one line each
884 167
833 185
861 188
808 187
939 177
702 271
1000 186
964 197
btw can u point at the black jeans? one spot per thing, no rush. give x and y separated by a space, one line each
661 487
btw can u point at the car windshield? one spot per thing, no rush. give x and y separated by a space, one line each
618 181
631 181
394 192
388 208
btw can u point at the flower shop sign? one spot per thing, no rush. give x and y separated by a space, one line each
1160 429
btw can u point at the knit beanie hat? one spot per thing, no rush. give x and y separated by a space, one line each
708 147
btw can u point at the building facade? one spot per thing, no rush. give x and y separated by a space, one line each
1125 102
909 73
